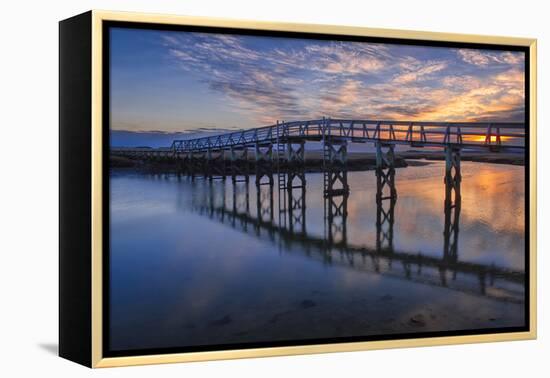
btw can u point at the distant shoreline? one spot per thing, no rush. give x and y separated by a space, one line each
357 161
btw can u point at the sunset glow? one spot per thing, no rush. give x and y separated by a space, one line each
168 81
482 138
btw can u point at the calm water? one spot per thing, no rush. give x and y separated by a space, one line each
191 264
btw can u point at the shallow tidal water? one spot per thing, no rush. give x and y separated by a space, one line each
192 265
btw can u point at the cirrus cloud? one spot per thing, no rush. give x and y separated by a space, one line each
264 79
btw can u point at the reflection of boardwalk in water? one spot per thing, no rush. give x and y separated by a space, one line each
445 271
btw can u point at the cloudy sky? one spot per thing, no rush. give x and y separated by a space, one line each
167 82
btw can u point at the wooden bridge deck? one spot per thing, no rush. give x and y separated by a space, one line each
482 135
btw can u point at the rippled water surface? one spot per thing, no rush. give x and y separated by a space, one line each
208 263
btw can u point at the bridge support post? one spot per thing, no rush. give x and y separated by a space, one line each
264 182
208 165
336 217
241 198
223 167
452 205
295 152
296 188
386 195
263 152
335 167
180 163
215 165
296 192
335 189
385 155
200 164
211 198
192 164
386 198
264 203
264 164
292 185
453 175
239 164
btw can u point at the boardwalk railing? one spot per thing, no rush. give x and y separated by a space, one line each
414 133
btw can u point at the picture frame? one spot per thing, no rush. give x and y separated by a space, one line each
85 117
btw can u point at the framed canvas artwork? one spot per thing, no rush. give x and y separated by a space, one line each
236 189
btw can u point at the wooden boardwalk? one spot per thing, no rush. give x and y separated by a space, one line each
413 133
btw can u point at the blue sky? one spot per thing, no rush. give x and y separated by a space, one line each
163 82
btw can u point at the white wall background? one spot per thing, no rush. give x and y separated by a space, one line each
29 174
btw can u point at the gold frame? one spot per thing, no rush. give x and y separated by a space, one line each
97 357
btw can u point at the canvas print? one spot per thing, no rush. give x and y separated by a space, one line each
271 189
